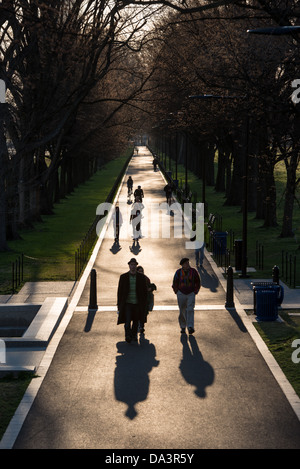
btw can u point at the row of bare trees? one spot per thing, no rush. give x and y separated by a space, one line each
83 75
249 108
71 69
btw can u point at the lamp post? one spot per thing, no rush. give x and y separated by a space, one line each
3 150
276 31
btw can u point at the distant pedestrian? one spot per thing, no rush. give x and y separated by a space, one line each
199 248
135 219
150 299
168 191
129 185
132 300
199 253
186 284
155 163
117 222
138 194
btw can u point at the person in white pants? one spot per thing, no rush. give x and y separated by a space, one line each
186 285
186 305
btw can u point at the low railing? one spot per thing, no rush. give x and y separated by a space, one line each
289 268
17 272
259 256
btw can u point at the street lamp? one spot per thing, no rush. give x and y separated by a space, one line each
276 31
212 96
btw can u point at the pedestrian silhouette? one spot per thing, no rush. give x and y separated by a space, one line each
132 300
186 285
131 382
194 369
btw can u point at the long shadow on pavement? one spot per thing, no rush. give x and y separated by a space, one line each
208 279
133 365
194 369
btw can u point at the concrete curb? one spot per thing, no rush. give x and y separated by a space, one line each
277 372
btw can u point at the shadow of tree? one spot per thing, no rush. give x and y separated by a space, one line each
194 369
133 365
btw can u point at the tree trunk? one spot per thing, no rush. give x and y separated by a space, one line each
3 159
210 167
62 182
220 179
270 205
21 192
290 191
235 193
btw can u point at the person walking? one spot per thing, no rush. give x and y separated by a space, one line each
199 253
138 194
155 163
199 248
150 299
117 223
132 300
129 185
186 285
168 191
135 219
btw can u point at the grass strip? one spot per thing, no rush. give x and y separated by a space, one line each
279 337
49 246
11 393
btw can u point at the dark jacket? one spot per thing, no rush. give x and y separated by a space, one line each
186 282
141 293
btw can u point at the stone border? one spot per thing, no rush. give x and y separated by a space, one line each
42 327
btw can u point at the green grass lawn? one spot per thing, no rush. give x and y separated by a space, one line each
49 246
279 337
11 392
232 220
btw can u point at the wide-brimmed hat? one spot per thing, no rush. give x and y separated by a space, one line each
133 260
185 259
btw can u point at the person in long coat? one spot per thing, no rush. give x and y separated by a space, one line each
132 300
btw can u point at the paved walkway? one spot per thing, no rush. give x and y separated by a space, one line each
214 389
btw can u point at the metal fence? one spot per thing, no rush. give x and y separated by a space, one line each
259 256
289 268
17 272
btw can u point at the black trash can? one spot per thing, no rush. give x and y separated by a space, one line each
238 251
266 304
219 242
267 297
